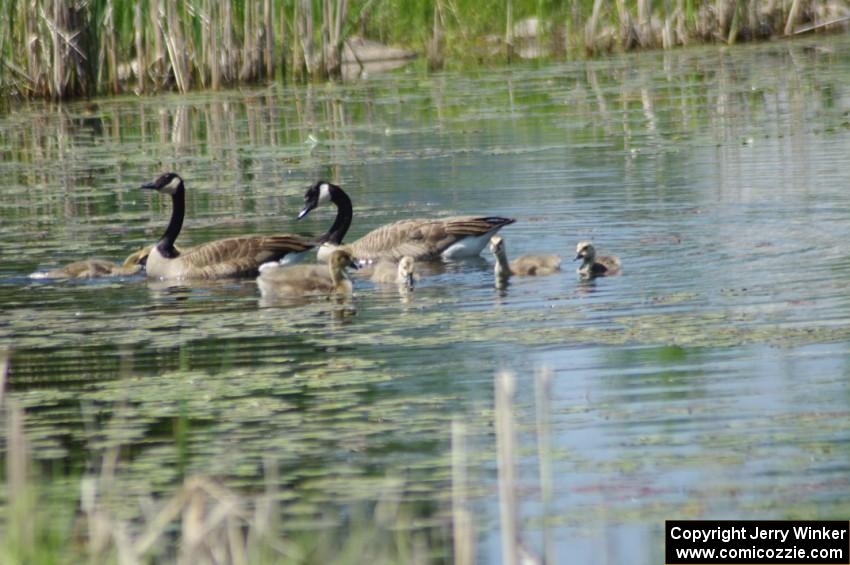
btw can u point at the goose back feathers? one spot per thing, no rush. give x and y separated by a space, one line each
421 238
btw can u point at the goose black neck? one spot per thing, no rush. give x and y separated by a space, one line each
344 213
178 210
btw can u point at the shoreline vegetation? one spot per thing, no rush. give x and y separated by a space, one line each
62 50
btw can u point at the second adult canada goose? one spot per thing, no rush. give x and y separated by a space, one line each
593 265
421 238
231 257
526 265
402 273
277 280
93 268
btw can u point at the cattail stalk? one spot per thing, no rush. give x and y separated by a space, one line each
505 444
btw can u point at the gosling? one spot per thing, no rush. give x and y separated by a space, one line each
276 280
527 265
94 268
593 265
403 274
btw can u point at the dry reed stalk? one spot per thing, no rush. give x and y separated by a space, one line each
435 46
247 43
464 545
175 46
334 58
112 55
17 452
156 16
4 374
792 17
284 39
58 55
228 55
505 444
141 65
543 404
203 60
509 31
681 34
268 36
733 25
324 37
193 526
644 13
297 56
306 35
212 37
591 27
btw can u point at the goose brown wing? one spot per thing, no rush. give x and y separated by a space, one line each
422 238
474 225
239 256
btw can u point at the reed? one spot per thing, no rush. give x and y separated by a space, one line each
57 49
506 449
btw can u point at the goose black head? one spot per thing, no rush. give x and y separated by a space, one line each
316 195
168 183
585 250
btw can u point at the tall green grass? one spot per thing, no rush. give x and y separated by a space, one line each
60 49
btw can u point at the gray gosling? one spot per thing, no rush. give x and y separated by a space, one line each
93 268
230 257
526 265
593 265
295 280
403 273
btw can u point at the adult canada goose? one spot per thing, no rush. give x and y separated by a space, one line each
294 280
421 238
526 265
92 268
593 265
402 273
231 257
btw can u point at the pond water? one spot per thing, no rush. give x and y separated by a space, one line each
710 380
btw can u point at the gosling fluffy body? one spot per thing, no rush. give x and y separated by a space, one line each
595 265
277 280
93 268
402 273
525 265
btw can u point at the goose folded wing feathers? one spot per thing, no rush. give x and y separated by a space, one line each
239 255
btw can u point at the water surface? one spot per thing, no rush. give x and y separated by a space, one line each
710 380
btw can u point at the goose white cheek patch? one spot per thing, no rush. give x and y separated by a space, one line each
324 193
172 185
